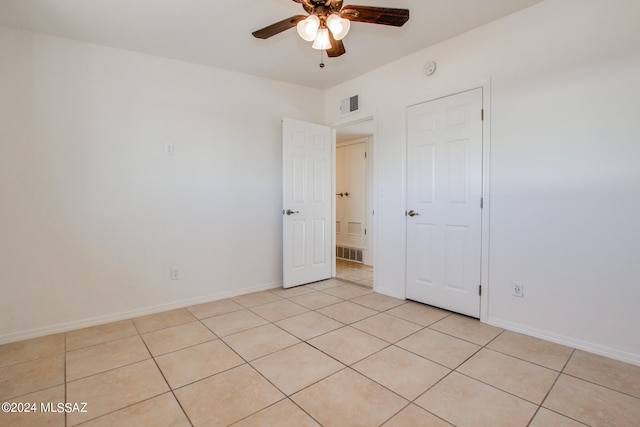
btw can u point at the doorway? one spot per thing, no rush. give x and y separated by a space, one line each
354 183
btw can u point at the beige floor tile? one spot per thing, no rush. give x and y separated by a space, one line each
515 376
191 364
325 284
231 323
347 312
388 328
114 390
177 337
316 300
418 313
610 373
278 310
348 399
282 414
467 329
347 291
592 404
438 347
292 292
348 345
260 341
227 397
159 411
214 308
415 416
309 325
166 319
378 301
256 298
368 283
547 418
103 357
34 375
401 371
98 334
534 350
297 367
463 401
37 418
34 348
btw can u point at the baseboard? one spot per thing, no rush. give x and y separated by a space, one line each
99 320
569 342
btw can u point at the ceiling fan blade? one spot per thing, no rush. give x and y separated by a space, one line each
337 47
376 15
278 27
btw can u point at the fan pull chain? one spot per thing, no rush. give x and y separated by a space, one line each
322 59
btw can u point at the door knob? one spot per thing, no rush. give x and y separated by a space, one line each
346 194
412 213
290 212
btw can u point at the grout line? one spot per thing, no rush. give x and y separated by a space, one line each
345 366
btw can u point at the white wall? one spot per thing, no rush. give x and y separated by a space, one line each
564 190
92 212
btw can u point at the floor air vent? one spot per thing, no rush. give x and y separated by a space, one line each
350 254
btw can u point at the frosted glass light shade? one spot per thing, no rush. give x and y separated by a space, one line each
322 41
308 28
339 26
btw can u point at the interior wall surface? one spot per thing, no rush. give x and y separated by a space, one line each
95 214
562 82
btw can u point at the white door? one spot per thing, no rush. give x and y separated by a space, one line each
306 211
351 195
444 190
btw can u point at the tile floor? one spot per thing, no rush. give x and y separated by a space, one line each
328 353
354 272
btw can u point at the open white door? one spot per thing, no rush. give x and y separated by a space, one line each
307 203
444 191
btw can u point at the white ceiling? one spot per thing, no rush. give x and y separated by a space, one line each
218 33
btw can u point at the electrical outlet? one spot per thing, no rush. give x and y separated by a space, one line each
168 149
517 289
174 273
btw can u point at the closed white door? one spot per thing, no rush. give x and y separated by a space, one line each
351 195
307 202
444 191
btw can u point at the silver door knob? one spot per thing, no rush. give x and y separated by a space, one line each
290 212
412 213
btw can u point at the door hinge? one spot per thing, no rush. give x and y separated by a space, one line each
365 231
480 290
481 202
365 154
482 114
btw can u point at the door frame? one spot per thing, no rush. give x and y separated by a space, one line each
374 193
485 85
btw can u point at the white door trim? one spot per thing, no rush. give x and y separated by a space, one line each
486 176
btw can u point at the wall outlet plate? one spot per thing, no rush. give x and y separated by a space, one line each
517 289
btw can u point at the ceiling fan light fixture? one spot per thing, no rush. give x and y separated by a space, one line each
339 26
308 28
322 41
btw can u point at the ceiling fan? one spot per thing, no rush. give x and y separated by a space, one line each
327 22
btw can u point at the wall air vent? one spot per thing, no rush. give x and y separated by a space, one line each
349 105
351 254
